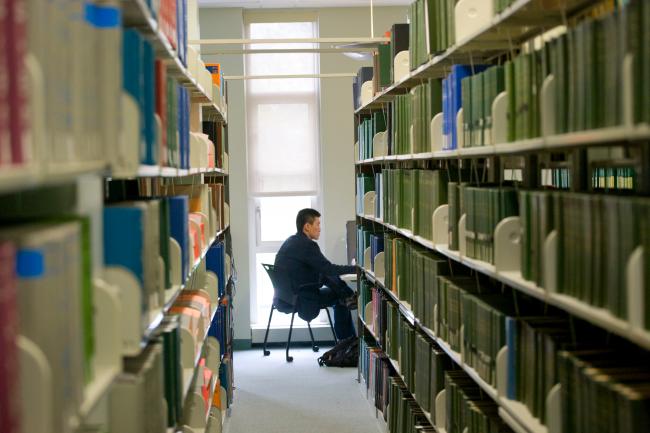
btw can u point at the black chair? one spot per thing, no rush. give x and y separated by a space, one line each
286 300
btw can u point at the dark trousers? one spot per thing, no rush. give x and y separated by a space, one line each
335 289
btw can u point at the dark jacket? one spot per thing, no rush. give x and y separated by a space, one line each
302 260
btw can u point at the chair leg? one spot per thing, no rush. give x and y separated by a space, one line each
266 335
313 343
290 358
329 319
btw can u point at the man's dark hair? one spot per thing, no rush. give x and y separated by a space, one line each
306 216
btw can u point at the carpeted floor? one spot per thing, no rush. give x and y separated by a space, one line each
273 396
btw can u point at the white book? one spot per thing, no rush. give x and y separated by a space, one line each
49 292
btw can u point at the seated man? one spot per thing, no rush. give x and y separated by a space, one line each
302 259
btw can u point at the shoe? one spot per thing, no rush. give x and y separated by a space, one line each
351 303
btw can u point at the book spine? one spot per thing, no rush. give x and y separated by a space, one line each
161 109
15 51
5 134
9 368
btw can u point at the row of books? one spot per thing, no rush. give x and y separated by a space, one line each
400 128
366 132
484 208
478 93
382 73
541 212
481 311
469 408
149 394
432 29
587 54
72 110
412 275
368 239
49 261
422 363
608 177
365 184
426 102
137 229
404 413
173 18
477 320
584 223
375 371
579 60
411 196
560 178
596 237
402 410
171 132
90 60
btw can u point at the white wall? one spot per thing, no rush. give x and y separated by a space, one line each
336 133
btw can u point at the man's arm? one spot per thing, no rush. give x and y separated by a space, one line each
315 258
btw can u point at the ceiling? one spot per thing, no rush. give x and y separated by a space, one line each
268 4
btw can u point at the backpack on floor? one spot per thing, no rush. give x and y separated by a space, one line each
344 354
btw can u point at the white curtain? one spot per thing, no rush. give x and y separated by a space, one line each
282 131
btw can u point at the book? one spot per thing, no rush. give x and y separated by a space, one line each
5 134
49 267
215 262
15 37
10 410
169 334
399 41
167 21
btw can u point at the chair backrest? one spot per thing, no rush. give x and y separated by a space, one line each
282 287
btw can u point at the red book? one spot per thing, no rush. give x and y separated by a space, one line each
167 21
5 136
9 386
161 108
16 48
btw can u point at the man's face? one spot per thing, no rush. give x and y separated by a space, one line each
312 230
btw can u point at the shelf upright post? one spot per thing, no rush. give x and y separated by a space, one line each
579 171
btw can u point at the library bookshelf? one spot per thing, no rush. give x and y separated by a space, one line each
130 196
410 219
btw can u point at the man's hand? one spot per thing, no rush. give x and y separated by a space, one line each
354 261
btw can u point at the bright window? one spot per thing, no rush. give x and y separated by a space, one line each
278 216
283 147
282 114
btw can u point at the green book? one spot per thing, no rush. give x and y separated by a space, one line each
509 73
385 65
466 101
